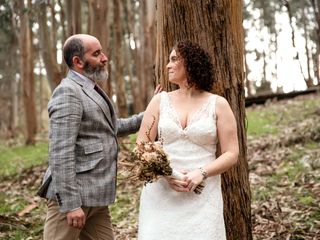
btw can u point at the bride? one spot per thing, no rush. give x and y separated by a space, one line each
190 121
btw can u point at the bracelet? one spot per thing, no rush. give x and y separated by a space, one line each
203 173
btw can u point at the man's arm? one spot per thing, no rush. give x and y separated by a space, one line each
65 112
130 125
126 126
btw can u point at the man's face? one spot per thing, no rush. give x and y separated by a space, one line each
95 61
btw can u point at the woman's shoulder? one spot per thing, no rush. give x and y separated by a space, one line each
222 104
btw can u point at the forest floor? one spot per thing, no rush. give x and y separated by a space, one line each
283 149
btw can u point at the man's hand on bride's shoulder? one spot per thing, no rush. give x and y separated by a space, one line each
157 90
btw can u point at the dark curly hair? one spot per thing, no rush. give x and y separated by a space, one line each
197 63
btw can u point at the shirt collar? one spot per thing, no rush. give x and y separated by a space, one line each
84 78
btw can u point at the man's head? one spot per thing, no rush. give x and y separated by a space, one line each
83 53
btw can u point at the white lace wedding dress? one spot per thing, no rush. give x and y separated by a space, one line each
169 215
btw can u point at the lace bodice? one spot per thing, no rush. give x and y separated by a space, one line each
201 129
166 214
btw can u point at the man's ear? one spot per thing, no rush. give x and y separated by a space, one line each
78 62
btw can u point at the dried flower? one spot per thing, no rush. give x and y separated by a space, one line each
148 161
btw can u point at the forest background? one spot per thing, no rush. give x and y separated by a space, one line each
281 52
281 42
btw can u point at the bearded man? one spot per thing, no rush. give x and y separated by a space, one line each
80 181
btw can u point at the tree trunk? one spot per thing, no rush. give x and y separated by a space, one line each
306 37
287 5
134 64
27 75
316 7
54 73
63 20
217 26
119 73
13 83
147 51
98 27
73 16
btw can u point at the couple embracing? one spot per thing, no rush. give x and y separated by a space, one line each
80 182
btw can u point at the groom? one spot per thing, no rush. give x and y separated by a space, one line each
81 179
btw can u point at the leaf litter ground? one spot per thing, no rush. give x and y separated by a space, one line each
284 176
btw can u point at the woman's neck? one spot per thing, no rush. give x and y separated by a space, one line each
189 91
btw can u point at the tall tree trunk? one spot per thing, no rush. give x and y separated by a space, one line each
147 52
98 27
129 63
135 65
54 74
27 75
316 65
287 5
217 26
316 8
119 73
13 119
247 81
63 20
306 37
74 16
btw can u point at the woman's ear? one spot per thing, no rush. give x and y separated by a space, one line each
77 62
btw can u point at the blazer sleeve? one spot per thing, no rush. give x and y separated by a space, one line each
65 113
126 126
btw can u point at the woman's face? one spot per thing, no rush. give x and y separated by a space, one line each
176 70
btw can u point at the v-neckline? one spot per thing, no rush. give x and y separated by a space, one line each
176 116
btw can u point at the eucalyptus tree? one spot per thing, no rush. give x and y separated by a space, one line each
9 83
307 23
217 26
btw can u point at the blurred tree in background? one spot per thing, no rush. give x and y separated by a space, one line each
281 43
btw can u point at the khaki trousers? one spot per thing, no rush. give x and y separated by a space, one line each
97 227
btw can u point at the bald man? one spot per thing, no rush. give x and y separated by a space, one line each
80 181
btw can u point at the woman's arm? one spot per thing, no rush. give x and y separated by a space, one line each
150 121
228 139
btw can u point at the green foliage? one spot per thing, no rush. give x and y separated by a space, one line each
261 122
16 159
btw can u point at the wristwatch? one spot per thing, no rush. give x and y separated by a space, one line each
204 173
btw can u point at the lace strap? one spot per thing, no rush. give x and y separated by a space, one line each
212 105
164 101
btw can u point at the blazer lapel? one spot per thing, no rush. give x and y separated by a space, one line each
105 104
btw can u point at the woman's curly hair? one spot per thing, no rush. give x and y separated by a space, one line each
197 63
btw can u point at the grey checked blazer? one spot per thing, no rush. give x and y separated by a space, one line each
83 145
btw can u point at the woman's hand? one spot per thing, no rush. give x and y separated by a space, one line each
179 185
194 178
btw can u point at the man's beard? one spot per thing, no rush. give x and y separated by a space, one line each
95 73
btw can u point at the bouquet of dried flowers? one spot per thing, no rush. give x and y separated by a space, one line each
148 161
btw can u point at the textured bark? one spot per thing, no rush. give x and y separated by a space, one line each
27 75
217 26
119 73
